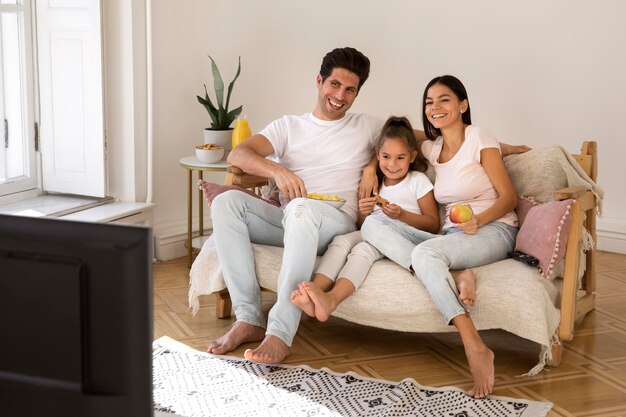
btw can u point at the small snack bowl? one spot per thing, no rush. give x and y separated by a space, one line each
333 200
209 153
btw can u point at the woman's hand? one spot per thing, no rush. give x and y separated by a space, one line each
470 227
392 210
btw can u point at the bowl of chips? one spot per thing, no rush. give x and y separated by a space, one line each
332 200
209 153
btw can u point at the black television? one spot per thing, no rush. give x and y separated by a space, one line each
75 319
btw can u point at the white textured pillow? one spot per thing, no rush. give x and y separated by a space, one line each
538 172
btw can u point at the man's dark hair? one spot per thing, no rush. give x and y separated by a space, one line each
347 58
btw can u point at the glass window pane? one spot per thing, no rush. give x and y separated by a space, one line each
13 140
10 2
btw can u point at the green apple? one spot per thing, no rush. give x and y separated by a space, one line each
461 213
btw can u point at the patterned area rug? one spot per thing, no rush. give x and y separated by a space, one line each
195 384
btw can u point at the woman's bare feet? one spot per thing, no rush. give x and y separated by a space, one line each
323 302
466 284
479 357
301 299
271 350
238 334
481 366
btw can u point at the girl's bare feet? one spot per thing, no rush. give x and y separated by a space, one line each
466 284
271 350
238 334
301 299
323 302
481 366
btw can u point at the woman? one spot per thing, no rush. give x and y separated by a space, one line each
470 171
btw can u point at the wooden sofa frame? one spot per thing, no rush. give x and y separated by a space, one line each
575 301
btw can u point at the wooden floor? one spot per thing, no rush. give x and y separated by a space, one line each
591 380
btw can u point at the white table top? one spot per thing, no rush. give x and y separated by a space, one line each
194 162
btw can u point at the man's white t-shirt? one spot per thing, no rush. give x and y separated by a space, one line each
462 179
406 193
328 155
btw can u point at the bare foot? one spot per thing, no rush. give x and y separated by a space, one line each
466 284
240 333
324 303
301 299
271 350
482 369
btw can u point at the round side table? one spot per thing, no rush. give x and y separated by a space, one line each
191 163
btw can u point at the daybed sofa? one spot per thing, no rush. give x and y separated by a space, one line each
511 295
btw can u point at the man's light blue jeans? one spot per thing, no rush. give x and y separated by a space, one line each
432 256
304 229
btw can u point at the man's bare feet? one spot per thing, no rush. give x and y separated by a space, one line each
240 333
466 284
271 350
481 366
323 302
301 299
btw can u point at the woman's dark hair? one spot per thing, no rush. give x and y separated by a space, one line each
347 58
458 89
400 128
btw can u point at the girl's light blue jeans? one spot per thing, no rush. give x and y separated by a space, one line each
432 256
304 229
349 257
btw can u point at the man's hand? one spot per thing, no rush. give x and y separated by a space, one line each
507 149
289 184
369 180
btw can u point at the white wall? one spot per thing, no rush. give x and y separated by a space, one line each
537 72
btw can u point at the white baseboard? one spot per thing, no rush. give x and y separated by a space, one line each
170 237
171 247
611 234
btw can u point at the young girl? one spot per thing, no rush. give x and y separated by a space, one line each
470 170
405 198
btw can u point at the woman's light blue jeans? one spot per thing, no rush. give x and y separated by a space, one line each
304 229
432 256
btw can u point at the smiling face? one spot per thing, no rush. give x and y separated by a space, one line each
443 108
394 160
336 94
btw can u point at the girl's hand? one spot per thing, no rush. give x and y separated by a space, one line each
469 227
366 205
392 210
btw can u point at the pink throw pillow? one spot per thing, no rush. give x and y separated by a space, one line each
544 232
524 204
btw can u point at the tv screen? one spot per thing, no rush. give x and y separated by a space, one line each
75 318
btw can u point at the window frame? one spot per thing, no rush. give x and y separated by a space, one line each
30 178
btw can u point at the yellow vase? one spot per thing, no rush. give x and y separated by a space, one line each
241 131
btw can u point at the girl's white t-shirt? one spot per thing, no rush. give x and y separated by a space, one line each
462 179
328 155
406 193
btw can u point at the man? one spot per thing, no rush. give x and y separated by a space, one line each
325 152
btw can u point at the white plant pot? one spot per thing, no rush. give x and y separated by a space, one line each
219 137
